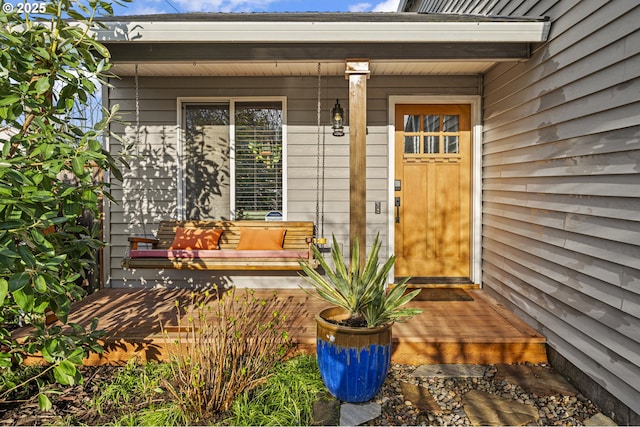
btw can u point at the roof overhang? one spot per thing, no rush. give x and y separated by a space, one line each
324 32
304 39
324 28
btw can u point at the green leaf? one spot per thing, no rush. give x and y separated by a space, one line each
8 100
78 166
76 357
24 298
27 257
4 290
65 373
60 305
41 304
10 38
44 403
18 280
42 85
4 252
46 354
40 284
102 50
89 196
5 360
42 52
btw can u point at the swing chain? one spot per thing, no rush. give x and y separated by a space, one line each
137 138
319 201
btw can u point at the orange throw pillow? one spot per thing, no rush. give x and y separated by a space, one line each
196 238
261 239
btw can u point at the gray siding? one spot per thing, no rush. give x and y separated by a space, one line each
561 187
149 192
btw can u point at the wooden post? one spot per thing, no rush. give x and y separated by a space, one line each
357 72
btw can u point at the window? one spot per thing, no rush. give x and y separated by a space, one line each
232 159
431 134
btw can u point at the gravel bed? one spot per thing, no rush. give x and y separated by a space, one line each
555 410
73 405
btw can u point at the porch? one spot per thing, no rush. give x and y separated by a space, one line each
457 326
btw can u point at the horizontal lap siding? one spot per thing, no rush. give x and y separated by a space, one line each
148 193
561 189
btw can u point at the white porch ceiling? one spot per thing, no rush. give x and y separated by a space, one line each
288 68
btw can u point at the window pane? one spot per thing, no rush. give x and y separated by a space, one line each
258 152
451 123
411 123
431 144
411 144
451 144
207 165
432 123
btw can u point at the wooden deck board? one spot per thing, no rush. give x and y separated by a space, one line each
478 331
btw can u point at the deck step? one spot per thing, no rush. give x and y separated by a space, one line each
464 326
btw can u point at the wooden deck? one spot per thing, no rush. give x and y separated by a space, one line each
476 330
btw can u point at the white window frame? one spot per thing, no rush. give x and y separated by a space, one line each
180 144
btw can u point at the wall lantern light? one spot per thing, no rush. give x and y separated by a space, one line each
337 120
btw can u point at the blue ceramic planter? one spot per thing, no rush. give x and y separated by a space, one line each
353 362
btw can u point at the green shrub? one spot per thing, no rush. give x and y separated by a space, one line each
50 195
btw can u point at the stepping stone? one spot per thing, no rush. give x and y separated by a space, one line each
599 419
485 409
352 414
326 411
540 380
420 397
450 370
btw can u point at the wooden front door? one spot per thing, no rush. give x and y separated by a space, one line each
433 192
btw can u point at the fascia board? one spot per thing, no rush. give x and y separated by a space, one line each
329 32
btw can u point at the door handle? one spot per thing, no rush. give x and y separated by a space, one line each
397 210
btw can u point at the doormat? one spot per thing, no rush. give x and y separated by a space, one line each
443 294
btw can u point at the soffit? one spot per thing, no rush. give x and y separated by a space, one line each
258 69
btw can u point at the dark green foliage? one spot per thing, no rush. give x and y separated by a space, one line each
50 180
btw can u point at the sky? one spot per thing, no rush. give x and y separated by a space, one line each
142 7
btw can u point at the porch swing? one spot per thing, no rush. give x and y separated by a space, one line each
223 244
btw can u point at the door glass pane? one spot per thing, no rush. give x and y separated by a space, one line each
411 123
431 144
451 123
431 123
412 144
451 144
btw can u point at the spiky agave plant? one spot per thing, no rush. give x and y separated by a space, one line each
362 291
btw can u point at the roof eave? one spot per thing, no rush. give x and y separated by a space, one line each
323 32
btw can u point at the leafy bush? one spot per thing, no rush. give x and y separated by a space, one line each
223 348
50 190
